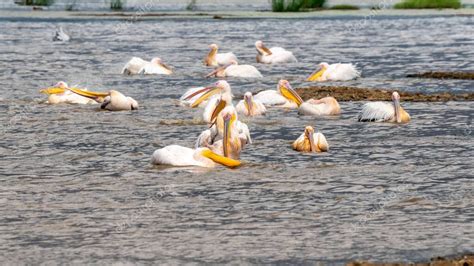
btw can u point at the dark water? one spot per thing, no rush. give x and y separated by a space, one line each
77 185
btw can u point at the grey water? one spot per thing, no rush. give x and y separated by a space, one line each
77 185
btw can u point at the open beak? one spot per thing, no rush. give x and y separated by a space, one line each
220 159
316 74
396 105
53 90
97 96
213 73
220 105
249 104
226 137
290 94
208 92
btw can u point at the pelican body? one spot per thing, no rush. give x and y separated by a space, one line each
60 93
218 59
311 142
60 36
284 96
176 155
233 69
273 55
323 106
112 100
334 72
250 107
384 111
137 65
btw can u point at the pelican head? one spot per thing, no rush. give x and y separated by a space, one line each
220 71
261 49
59 88
229 116
309 136
210 59
285 89
317 74
396 106
248 101
159 62
220 86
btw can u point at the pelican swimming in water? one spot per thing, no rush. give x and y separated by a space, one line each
60 93
60 36
284 96
233 69
176 155
250 107
273 55
218 59
311 142
334 72
137 65
112 100
384 111
323 106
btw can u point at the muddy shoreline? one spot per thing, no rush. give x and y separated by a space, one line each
348 93
465 260
443 75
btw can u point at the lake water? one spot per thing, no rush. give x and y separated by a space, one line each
78 186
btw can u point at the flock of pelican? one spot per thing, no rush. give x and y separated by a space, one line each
226 136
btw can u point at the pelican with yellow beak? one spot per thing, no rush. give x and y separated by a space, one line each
60 93
384 111
250 107
112 100
233 69
323 106
311 142
137 65
334 72
285 96
273 55
176 155
218 59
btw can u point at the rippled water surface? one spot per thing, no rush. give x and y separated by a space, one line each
78 186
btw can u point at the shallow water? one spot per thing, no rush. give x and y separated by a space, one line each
78 186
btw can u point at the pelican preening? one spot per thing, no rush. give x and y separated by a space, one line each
250 107
60 36
323 106
334 72
60 93
112 100
233 69
273 55
284 96
137 65
176 155
311 142
218 59
384 111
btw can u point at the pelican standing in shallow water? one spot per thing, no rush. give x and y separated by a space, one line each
311 142
112 100
250 107
384 111
218 59
176 155
334 72
60 93
137 65
284 96
273 55
233 69
323 106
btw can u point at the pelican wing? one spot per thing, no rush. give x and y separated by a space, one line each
177 156
244 132
134 66
376 112
321 141
342 72
225 58
270 98
243 71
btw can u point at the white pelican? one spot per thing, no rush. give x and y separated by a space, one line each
384 111
60 93
310 141
273 55
233 69
60 36
334 72
250 107
112 100
323 106
176 155
137 65
284 96
215 59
